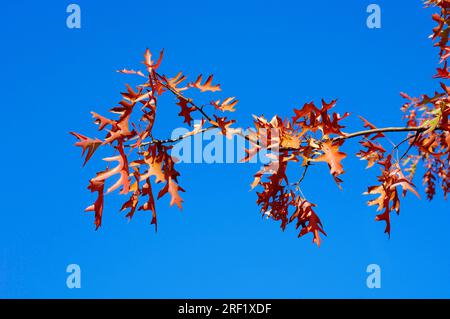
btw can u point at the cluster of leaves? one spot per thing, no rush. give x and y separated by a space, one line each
428 141
314 134
142 159
309 136
431 113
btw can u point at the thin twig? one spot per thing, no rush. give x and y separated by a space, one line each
175 139
305 170
416 137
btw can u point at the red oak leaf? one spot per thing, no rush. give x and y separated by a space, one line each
207 86
87 143
186 110
227 104
333 157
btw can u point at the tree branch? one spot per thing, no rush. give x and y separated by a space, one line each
383 130
163 81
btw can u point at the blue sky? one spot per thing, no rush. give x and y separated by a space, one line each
272 55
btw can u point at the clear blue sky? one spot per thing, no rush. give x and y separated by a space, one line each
272 55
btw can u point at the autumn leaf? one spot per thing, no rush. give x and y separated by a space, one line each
186 110
308 219
102 121
223 125
374 152
227 104
87 143
308 109
432 124
154 169
125 71
152 66
388 198
291 140
150 203
443 72
173 189
177 80
130 94
121 169
333 157
97 207
207 86
134 199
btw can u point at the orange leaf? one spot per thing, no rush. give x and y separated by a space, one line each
125 71
87 143
121 169
175 81
172 188
155 169
332 157
151 66
207 86
227 104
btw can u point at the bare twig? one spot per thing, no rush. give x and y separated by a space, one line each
305 170
175 139
416 137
